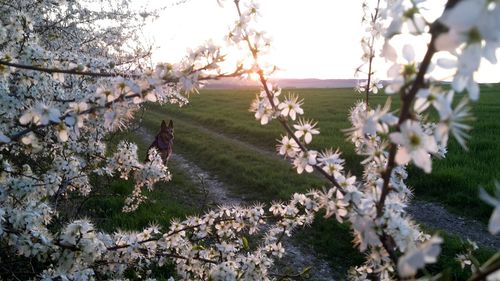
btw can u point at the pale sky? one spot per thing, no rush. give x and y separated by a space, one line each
311 38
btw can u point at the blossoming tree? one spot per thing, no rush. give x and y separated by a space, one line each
67 82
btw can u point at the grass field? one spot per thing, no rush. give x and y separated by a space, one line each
454 181
217 132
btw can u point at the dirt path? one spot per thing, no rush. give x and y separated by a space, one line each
436 216
431 214
297 256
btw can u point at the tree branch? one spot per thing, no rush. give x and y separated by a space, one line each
66 71
407 98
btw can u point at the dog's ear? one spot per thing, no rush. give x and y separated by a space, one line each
171 124
163 125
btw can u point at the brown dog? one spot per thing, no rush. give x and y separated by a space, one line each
164 141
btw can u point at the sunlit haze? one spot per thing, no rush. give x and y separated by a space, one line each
311 39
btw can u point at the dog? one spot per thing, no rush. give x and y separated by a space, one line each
164 141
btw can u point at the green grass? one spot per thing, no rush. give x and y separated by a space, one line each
254 175
215 129
454 181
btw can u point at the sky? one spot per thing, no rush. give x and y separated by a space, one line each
311 38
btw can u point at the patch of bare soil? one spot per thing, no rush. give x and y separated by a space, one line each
216 191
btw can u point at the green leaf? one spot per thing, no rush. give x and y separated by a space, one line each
246 246
198 247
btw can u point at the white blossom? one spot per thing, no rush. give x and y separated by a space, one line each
414 145
415 259
306 129
494 223
305 161
288 147
291 107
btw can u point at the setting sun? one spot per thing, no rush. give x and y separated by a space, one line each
253 76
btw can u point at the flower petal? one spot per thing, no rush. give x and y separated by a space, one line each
402 156
408 52
494 224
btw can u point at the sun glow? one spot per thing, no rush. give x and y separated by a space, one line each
320 46
254 76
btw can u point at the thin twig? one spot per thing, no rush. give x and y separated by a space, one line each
372 55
